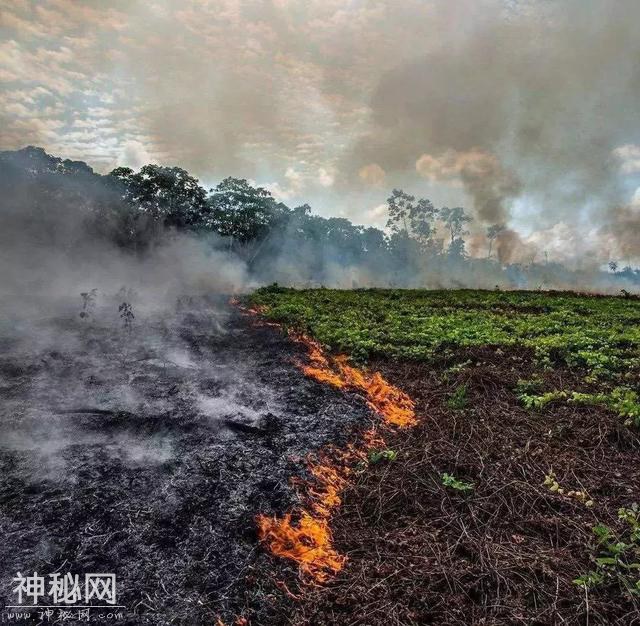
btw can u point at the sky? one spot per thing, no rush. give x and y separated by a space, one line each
524 112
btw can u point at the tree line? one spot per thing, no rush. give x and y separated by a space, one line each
137 209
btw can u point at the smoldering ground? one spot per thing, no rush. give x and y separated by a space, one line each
146 452
141 440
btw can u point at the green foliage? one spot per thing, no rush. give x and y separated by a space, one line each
528 387
622 400
600 336
458 367
625 402
617 558
539 402
410 217
375 456
458 399
453 483
168 194
241 212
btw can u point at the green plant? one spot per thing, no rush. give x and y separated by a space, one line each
539 402
459 485
625 402
375 456
458 367
617 558
458 399
529 387
622 400
599 335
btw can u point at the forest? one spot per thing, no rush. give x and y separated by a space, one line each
65 202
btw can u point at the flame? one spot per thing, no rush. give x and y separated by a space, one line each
304 535
395 406
307 541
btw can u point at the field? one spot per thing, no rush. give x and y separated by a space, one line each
513 499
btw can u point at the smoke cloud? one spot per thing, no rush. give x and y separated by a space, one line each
482 176
524 111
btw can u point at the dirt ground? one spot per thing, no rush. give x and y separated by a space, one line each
506 552
149 454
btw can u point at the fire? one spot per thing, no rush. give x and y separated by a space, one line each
304 535
307 541
395 406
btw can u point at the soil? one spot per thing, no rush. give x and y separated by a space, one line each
161 484
505 553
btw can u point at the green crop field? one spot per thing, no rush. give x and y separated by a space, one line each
599 334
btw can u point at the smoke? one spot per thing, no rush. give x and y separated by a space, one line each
622 233
527 103
483 177
511 248
524 109
51 250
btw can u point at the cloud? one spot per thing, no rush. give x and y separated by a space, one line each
534 101
629 158
378 212
372 174
134 154
326 178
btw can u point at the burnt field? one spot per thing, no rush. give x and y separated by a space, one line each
147 452
332 457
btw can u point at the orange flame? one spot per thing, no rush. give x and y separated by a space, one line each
395 406
307 541
304 535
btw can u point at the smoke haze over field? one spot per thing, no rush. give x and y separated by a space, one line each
524 111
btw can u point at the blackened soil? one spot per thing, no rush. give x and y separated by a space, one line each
508 551
147 453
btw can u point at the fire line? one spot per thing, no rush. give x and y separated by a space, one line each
304 535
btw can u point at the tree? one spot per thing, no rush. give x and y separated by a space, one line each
456 248
422 216
613 266
492 232
455 219
169 194
374 241
241 212
413 219
399 207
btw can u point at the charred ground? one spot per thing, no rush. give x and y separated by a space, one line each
148 452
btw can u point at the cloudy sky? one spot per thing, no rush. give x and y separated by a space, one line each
526 112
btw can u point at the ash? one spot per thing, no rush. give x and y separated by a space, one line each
147 452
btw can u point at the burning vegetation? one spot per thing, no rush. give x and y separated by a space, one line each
512 497
304 535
